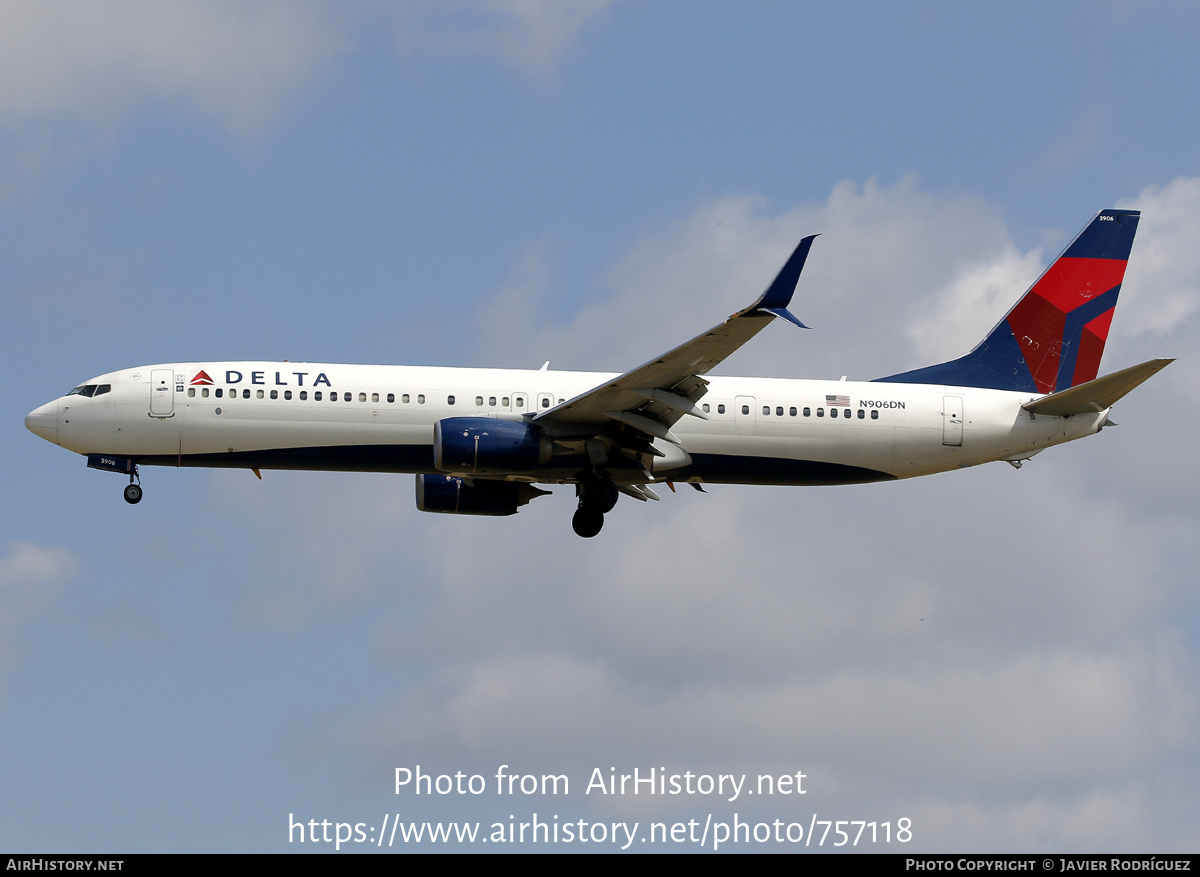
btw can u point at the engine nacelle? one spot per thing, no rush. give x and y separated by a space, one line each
470 445
454 495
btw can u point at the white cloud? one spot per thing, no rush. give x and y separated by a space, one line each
71 73
1162 284
94 61
532 35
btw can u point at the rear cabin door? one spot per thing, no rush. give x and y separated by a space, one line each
952 420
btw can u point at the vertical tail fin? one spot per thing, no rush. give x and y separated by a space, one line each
1054 336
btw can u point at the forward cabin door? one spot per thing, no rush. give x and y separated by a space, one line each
952 420
162 392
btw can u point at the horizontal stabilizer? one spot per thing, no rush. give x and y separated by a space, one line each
1096 395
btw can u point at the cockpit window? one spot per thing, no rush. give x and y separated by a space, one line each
91 390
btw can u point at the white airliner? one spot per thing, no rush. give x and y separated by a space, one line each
481 440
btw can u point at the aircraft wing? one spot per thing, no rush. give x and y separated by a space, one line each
652 397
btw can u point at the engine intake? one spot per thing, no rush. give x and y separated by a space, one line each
455 495
470 445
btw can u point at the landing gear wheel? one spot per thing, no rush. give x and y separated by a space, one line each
603 495
587 522
133 493
599 494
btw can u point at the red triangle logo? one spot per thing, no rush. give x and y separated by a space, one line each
201 378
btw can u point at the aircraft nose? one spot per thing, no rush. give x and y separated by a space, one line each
43 422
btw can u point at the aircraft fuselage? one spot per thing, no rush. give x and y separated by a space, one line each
381 419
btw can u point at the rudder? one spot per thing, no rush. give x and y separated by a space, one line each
1053 338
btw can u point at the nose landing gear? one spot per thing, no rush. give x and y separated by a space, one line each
133 491
123 465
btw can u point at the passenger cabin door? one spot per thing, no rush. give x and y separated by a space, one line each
952 420
162 392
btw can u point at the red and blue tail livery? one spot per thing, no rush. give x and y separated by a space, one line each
1054 336
480 441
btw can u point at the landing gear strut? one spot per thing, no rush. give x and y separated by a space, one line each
133 491
596 496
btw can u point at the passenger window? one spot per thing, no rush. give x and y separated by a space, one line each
274 394
420 398
874 414
391 397
374 397
346 397
721 409
745 409
846 413
779 411
546 402
861 414
792 411
766 409
492 401
704 408
362 397
807 412
504 402
246 393
218 392
317 396
287 394
820 412
204 393
479 401
191 392
404 398
449 400
520 401
304 395
259 393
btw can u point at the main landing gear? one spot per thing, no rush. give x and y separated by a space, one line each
596 497
133 491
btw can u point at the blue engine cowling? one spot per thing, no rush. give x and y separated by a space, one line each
455 495
472 445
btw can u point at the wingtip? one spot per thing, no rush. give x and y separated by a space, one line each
778 294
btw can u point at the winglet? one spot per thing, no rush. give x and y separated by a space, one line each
779 294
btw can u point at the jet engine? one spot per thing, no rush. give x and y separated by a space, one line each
469 445
455 495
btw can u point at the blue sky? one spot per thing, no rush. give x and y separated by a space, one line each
1007 658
